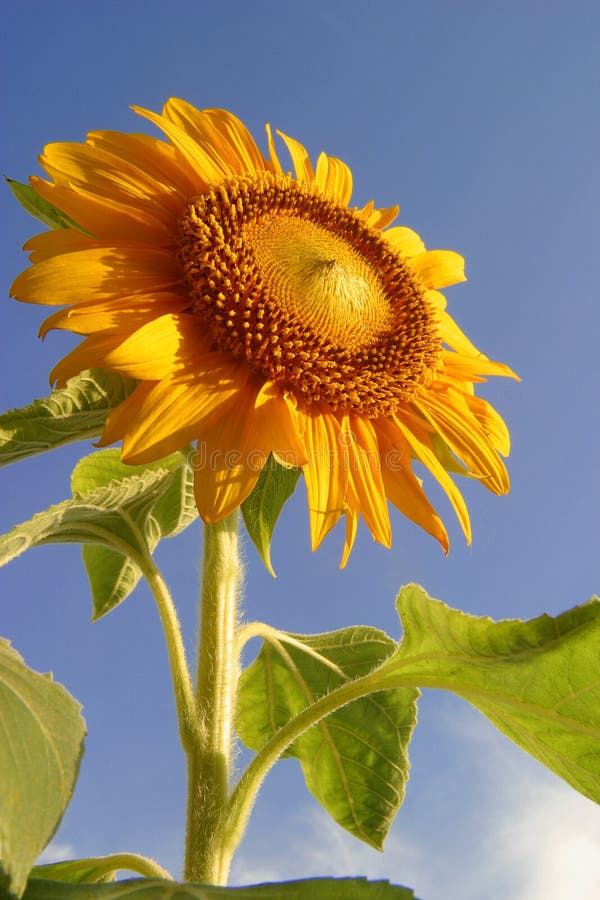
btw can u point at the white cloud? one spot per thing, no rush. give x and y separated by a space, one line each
56 852
531 837
550 840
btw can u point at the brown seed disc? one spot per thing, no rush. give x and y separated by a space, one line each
312 297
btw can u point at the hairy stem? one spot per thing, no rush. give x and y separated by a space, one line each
182 683
209 767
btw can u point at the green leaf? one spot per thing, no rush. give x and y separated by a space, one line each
41 744
113 576
126 517
172 512
98 869
107 516
538 681
74 413
355 761
39 208
142 889
74 871
261 509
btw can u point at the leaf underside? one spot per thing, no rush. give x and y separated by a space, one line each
275 485
149 889
537 681
355 761
39 208
41 743
74 413
119 513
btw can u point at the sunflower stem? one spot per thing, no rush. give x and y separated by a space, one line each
209 767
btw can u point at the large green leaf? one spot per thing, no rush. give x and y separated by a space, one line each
74 413
538 681
39 208
121 520
355 761
275 485
41 743
140 889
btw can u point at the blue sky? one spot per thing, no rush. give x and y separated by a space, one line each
481 121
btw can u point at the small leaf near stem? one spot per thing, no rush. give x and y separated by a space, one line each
218 670
244 795
362 748
275 485
96 869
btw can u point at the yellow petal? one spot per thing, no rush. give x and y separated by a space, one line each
113 315
105 218
468 368
161 161
97 274
98 172
167 345
208 169
234 449
402 487
437 300
351 529
226 470
334 178
326 474
421 447
364 472
61 240
90 354
275 165
121 417
162 346
454 337
450 416
300 158
377 218
492 423
439 268
276 428
405 241
220 134
176 410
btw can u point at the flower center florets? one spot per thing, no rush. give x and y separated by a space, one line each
312 297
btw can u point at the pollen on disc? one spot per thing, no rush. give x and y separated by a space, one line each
307 293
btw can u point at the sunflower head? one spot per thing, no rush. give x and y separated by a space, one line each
261 314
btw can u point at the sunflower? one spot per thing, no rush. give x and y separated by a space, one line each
261 314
